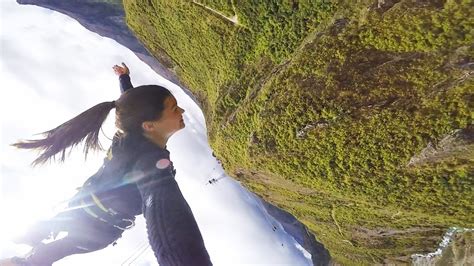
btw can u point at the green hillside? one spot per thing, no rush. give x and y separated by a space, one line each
354 116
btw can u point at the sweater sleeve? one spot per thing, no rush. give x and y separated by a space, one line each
172 230
125 83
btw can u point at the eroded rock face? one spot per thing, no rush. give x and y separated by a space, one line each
460 252
458 144
455 249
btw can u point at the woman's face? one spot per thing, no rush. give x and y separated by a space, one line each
171 119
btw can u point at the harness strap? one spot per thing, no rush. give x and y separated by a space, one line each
106 216
101 206
98 202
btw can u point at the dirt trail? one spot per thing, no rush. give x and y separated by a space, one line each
233 19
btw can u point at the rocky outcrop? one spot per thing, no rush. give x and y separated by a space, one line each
458 144
456 248
460 252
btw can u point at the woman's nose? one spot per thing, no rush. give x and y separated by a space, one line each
182 110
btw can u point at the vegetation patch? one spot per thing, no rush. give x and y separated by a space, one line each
320 106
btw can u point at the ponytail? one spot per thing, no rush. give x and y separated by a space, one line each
84 126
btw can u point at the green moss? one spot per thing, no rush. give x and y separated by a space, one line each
412 26
333 99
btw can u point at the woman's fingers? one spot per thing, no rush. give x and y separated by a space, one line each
119 70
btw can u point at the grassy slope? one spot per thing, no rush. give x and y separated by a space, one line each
373 86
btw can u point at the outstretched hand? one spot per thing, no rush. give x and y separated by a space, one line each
120 70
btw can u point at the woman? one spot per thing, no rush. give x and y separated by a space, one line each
137 177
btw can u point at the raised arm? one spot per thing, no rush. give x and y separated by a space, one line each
124 77
172 230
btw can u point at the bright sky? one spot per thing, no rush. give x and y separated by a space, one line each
51 69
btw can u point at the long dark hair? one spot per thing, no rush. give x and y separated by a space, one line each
135 106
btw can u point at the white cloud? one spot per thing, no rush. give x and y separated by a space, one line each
53 69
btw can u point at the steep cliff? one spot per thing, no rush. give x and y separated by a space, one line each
319 106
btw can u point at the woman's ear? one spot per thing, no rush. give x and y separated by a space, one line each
148 126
